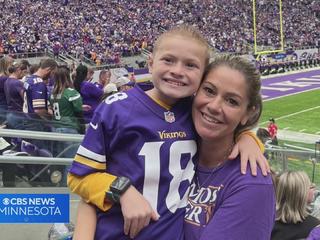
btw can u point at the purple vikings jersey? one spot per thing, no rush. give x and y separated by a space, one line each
91 95
229 205
13 88
131 135
35 96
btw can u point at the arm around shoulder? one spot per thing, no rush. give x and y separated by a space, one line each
92 188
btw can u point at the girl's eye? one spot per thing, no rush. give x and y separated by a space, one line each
191 65
167 60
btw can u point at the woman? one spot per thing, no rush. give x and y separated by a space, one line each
294 192
5 63
66 103
14 90
224 204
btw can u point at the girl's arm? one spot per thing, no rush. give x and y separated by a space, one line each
251 149
86 222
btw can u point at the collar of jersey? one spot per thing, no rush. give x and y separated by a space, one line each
161 103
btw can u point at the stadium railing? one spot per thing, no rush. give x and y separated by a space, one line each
281 159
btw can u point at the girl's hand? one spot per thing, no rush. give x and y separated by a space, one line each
137 212
250 151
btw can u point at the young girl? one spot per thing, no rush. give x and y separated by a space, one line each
148 139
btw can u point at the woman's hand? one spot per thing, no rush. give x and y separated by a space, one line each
137 212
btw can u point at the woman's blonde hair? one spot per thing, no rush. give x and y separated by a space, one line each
5 64
292 196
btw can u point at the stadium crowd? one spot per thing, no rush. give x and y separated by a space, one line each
107 30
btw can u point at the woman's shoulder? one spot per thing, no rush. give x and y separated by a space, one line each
248 178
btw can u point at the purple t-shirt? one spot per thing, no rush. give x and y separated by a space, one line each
3 101
13 87
91 95
229 205
314 234
131 135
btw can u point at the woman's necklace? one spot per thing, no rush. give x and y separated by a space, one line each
212 171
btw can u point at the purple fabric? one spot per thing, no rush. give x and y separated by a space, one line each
230 205
37 94
13 88
3 101
130 132
91 94
314 234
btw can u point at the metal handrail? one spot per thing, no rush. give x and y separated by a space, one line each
35 160
41 135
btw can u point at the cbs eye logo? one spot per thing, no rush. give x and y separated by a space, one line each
6 201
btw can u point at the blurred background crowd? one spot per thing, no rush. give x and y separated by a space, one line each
105 31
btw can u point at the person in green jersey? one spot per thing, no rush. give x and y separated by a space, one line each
66 103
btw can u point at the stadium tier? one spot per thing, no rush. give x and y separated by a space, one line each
104 31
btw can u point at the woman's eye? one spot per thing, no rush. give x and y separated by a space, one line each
233 102
208 90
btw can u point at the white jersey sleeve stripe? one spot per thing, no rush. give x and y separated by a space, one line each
74 98
89 154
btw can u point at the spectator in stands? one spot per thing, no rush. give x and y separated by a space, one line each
66 103
90 75
80 76
125 27
14 92
294 192
123 83
92 92
273 130
36 99
5 63
104 77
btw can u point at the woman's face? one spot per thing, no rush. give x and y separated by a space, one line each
220 104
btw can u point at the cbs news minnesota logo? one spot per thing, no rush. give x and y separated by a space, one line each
34 208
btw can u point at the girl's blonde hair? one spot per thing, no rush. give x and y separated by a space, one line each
292 196
187 31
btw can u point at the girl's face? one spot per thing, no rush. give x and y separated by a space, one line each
177 68
220 104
